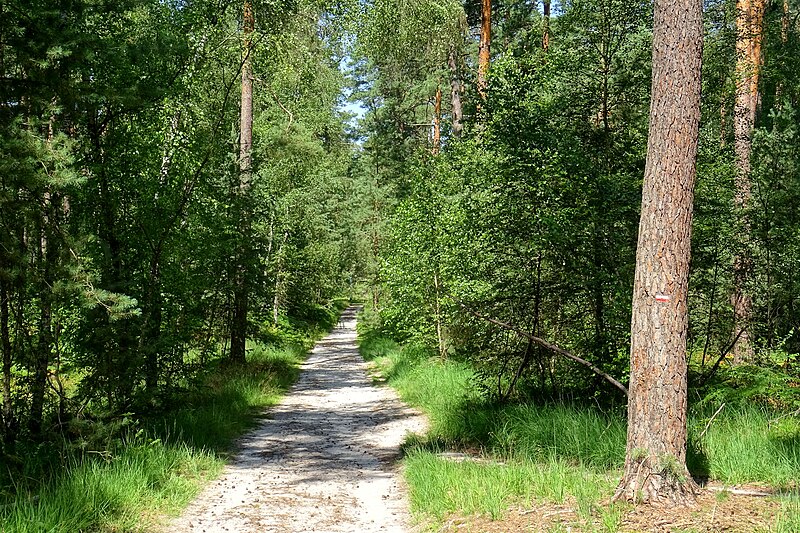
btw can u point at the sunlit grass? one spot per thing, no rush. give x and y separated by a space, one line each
157 470
558 452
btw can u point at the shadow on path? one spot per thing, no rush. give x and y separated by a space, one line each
322 460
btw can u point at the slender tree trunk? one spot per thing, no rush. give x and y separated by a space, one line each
784 40
41 361
723 123
749 30
437 287
150 332
437 121
455 93
241 285
546 26
785 22
655 460
376 246
151 323
5 343
484 47
278 296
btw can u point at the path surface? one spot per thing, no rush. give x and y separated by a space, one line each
324 461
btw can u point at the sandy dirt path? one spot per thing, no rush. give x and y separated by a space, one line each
324 460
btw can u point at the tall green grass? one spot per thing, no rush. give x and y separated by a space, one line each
556 452
156 470
750 444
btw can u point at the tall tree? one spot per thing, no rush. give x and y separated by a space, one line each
749 31
240 289
455 92
655 460
546 25
484 47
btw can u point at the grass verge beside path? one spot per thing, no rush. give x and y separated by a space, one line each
141 475
565 460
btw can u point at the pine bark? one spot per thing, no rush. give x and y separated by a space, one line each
241 286
484 48
749 30
655 462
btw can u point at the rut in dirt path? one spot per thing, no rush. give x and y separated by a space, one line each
325 458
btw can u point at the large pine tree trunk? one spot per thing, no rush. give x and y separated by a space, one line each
241 286
484 47
749 27
655 461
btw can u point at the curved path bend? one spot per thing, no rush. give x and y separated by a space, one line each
325 459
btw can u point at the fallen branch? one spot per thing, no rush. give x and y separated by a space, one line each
742 492
544 344
710 420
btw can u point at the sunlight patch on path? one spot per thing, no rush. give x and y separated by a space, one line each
325 458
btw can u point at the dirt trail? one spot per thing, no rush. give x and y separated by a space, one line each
323 461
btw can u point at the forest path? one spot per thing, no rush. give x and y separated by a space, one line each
325 458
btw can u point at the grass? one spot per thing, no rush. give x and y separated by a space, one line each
751 445
788 520
156 470
559 453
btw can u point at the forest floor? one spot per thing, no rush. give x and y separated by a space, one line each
716 510
324 459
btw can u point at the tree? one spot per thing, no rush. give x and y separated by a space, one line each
240 282
655 459
484 47
749 31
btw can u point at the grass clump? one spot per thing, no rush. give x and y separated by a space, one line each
749 444
440 486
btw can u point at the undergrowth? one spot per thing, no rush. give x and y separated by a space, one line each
127 474
560 452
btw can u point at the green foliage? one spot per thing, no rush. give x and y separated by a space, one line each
112 476
556 451
117 214
752 385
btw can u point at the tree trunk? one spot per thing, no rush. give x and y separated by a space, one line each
150 333
785 22
437 121
241 286
279 294
484 47
655 460
5 343
749 27
41 358
440 341
455 93
546 26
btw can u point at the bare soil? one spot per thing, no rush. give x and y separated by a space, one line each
323 460
715 511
